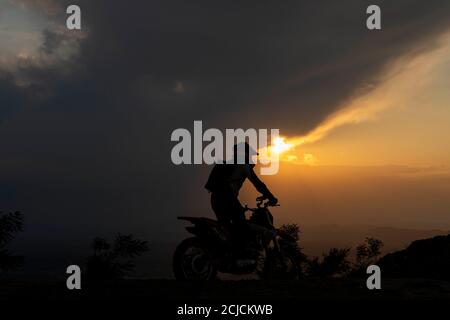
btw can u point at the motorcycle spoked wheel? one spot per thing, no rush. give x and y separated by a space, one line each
192 261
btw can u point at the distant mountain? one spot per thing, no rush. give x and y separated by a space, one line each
427 258
317 239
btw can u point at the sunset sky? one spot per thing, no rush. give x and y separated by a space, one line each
86 116
401 120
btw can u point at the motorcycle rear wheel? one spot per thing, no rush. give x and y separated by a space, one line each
192 261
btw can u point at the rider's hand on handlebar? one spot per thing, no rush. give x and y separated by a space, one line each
261 198
272 201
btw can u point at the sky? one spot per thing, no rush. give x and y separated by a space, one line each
86 116
401 121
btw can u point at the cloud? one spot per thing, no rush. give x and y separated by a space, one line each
402 77
179 87
34 39
47 7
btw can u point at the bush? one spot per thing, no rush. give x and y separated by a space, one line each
334 263
114 261
367 253
293 230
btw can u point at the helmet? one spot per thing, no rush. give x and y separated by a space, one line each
244 153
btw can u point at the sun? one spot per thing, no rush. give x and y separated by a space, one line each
279 145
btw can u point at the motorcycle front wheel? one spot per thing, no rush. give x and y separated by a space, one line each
192 261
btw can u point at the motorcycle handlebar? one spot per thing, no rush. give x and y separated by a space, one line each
259 204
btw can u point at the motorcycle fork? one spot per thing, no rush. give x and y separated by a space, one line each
279 252
276 245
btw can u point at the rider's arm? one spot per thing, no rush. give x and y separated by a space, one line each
259 185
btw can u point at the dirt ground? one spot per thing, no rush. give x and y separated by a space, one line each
243 290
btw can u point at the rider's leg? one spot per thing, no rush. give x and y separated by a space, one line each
240 227
219 206
229 211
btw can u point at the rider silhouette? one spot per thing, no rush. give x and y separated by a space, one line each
224 183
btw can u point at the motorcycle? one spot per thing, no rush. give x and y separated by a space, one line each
271 252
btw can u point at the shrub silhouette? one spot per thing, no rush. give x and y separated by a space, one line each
367 253
10 225
293 230
114 261
334 263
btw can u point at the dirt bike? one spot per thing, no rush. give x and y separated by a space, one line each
272 253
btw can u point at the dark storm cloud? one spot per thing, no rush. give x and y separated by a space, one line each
88 149
10 98
300 58
52 41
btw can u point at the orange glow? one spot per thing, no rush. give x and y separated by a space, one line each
280 145
402 120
